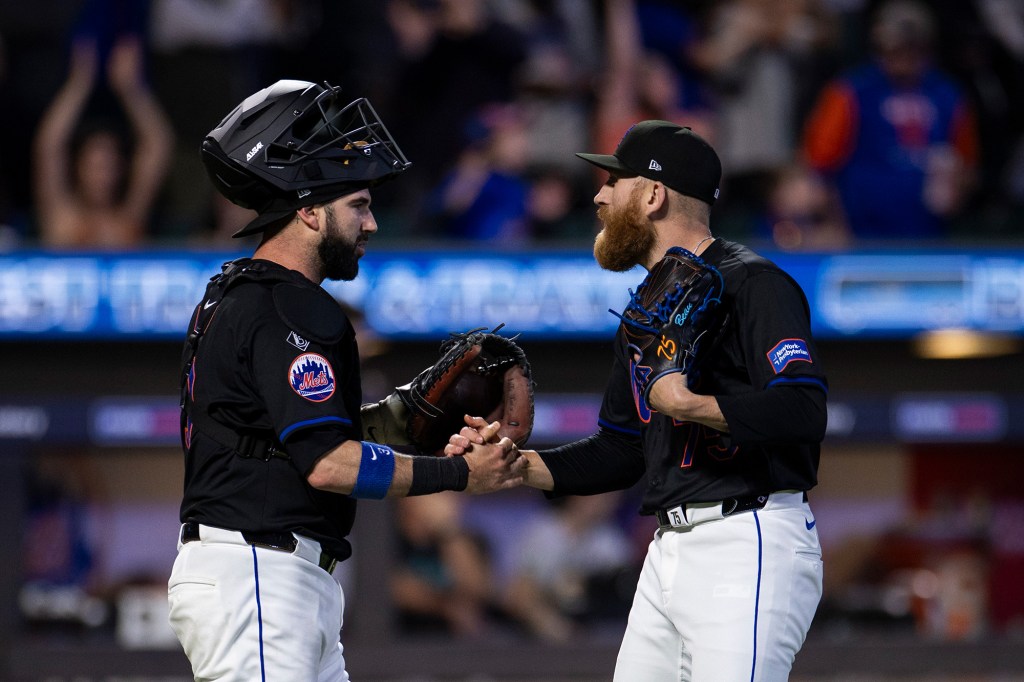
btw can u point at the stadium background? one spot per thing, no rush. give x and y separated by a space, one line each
920 504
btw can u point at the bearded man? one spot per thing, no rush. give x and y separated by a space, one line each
272 421
733 574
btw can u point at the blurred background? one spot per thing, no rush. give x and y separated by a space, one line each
873 149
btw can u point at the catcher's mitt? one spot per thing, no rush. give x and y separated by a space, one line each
479 373
673 312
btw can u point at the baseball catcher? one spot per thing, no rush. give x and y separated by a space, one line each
480 373
672 317
275 460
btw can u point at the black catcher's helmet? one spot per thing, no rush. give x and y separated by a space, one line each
296 144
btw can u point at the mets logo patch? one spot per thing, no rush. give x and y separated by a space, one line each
312 377
787 351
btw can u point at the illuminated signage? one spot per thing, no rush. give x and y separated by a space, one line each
426 295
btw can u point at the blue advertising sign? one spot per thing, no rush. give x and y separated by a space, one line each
541 294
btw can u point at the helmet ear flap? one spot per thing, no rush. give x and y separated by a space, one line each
245 189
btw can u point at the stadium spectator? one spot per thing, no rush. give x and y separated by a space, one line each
87 193
484 196
562 24
553 98
456 58
553 85
443 582
981 44
33 63
639 83
804 212
896 135
553 210
205 58
570 562
759 58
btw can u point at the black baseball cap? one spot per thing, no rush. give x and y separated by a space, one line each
669 153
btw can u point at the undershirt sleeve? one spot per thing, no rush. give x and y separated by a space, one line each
786 413
600 463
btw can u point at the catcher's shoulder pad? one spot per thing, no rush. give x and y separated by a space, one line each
311 312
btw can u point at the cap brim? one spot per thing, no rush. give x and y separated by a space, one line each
607 162
260 222
284 208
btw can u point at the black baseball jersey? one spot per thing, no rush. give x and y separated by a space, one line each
767 377
271 383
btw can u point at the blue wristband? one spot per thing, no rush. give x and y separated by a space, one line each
376 470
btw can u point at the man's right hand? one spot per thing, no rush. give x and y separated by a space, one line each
478 434
494 464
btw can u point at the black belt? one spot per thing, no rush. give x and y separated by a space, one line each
284 542
730 506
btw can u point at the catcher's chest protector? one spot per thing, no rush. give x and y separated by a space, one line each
233 273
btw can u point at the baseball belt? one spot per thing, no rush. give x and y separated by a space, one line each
686 515
283 542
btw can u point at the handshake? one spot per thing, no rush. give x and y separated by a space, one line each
495 461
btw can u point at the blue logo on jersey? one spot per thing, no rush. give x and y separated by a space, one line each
638 377
787 351
312 377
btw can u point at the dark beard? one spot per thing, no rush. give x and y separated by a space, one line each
338 256
627 237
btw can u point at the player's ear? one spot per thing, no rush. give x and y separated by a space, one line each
655 197
309 216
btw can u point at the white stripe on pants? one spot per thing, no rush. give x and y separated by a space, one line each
725 600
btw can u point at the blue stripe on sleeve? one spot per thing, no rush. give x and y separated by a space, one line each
809 381
612 427
312 422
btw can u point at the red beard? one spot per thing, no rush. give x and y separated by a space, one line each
627 236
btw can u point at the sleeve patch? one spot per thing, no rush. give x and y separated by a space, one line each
312 377
787 351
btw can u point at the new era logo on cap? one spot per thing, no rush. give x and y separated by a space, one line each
654 165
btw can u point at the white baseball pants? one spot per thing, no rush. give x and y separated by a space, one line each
256 614
727 599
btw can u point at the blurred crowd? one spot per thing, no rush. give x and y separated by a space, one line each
559 569
839 122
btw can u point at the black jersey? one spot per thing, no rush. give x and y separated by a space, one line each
276 363
769 383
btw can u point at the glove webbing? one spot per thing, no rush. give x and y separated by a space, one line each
664 307
470 339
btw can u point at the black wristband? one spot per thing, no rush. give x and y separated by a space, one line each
434 474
